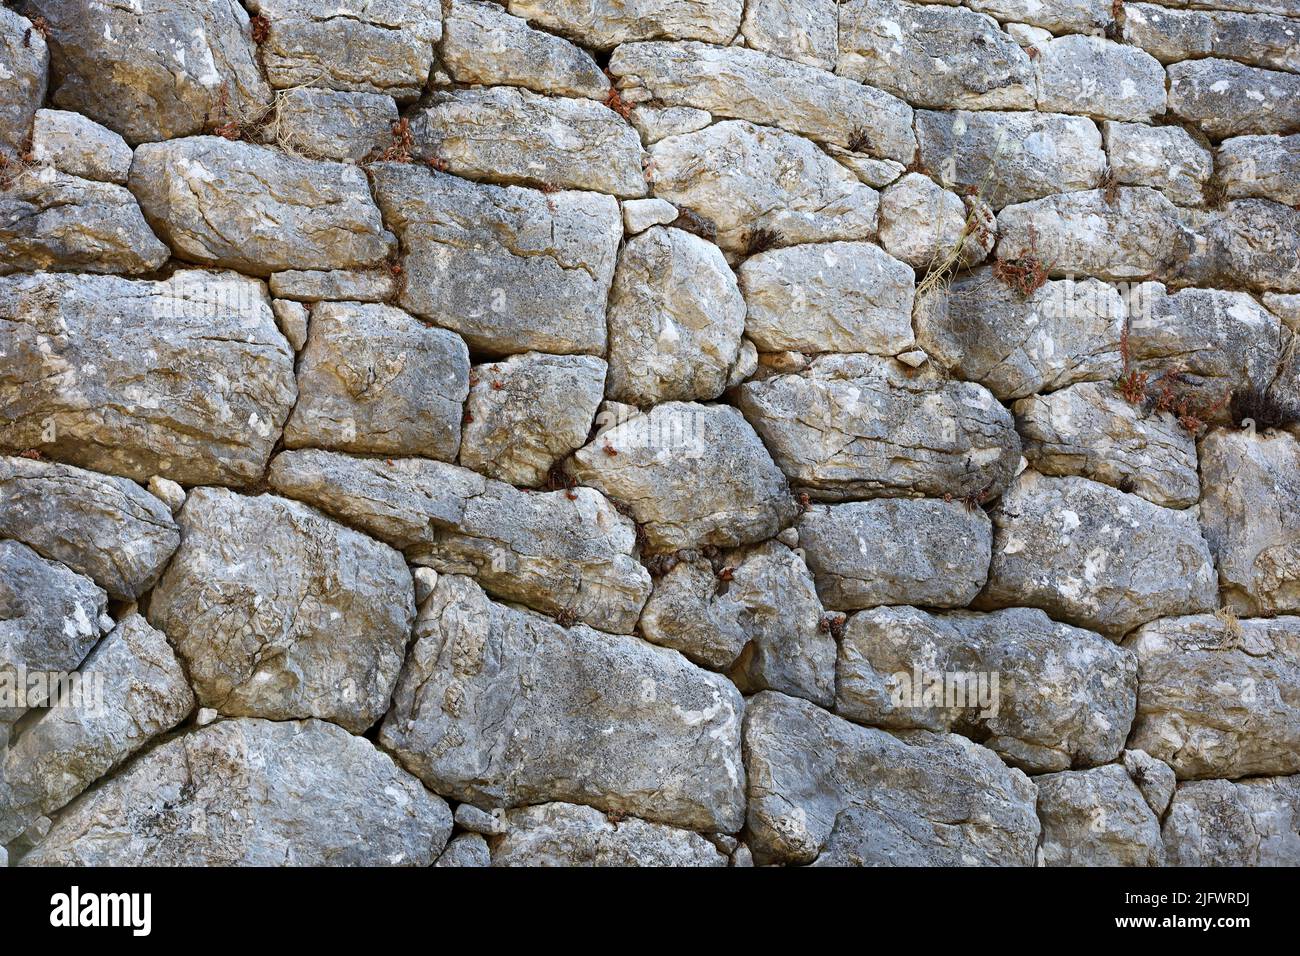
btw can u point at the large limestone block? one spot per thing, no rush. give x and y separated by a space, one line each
24 63
80 147
1058 16
107 528
607 23
567 834
327 124
854 426
1163 157
254 793
1096 818
1225 823
1044 696
279 612
1173 35
822 789
806 31
503 708
1219 697
510 269
188 378
256 209
1225 98
1095 557
923 224
1103 79
1261 167
1251 243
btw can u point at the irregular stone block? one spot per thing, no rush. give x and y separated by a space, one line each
80 147
922 224
1096 818
855 426
510 269
1095 557
691 475
1218 697
1225 98
187 378
254 793
1226 823
828 297
322 285
607 23
566 834
257 210
1264 167
1249 242
1092 75
1162 157
293 320
822 789
504 708
897 551
1172 35
1089 430
806 31
107 528
1154 779
24 62
1058 16
373 379
325 124
281 613
466 849
641 214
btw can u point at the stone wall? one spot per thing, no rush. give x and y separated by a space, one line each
695 432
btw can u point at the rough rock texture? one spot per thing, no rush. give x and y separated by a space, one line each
566 834
1229 99
1106 80
1253 243
1064 696
606 23
806 31
279 612
505 708
1222 823
1172 35
921 224
342 126
1163 157
822 790
80 147
1265 167
254 793
24 66
466 850
1093 556
1096 818
1154 778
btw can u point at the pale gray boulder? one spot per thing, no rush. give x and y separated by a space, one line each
527 413
1155 779
1263 167
1089 430
1044 696
254 793
983 330
24 62
107 528
692 610
676 317
806 31
607 23
1096 818
505 708
373 379
757 182
1101 78
566 834
642 214
1219 697
828 297
1095 557
1243 823
897 551
1250 510
334 285
510 269
824 790
255 209
690 475
153 70
1173 35
465 850
853 426
659 122
1163 157
144 694
187 378
1058 16
471 818
346 127
923 224
294 320
1253 243
279 612
80 147
1230 99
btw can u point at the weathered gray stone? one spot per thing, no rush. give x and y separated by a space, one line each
1250 509
24 65
505 708
1059 16
921 224
372 379
676 317
983 330
1010 157
1154 778
607 23
1044 696
828 297
1225 823
1095 557
510 269
325 285
1249 242
691 475
1172 35
1093 75
350 44
156 69
934 56
514 136
187 378
897 551
471 818
1096 818
736 83
107 528
566 834
1163 157
659 122
1264 167
484 44
823 789
467 849
855 426
328 124
693 610
258 210
1089 430
281 613
1228 99
50 220
293 318
70 747
876 173
254 793
756 181
80 147
528 412
1219 697
806 31
167 491
641 214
